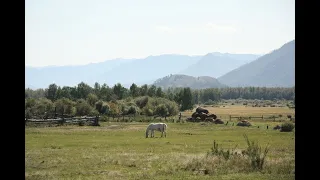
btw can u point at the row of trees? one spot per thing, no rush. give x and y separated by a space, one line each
146 100
184 97
91 106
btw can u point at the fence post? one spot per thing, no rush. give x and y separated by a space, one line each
262 117
230 117
55 112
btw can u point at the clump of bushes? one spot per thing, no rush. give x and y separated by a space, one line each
287 127
253 153
216 151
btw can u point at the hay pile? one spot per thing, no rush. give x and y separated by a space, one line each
218 121
244 123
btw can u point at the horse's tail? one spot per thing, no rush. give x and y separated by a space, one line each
165 127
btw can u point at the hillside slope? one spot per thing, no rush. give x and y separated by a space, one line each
218 64
276 69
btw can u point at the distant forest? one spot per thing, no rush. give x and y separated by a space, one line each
118 92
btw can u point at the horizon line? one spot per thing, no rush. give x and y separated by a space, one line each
144 57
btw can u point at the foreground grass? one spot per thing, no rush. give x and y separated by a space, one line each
120 151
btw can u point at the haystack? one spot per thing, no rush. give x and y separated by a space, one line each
244 123
218 121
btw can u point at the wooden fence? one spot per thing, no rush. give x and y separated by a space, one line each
270 117
93 121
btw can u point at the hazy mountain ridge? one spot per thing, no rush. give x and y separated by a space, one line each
218 64
41 77
275 69
124 71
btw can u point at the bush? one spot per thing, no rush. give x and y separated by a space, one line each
94 112
83 108
161 110
44 105
287 127
102 107
216 151
65 106
141 102
254 151
103 118
147 111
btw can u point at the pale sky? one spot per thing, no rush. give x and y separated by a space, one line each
74 32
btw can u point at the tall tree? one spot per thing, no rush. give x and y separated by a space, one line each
159 92
152 91
96 89
134 90
119 91
52 92
83 90
186 100
144 90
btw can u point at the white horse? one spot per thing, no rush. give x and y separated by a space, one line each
162 127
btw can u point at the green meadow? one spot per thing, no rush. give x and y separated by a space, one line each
119 150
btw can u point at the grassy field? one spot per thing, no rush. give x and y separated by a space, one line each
239 110
120 150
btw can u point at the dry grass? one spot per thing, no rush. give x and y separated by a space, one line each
245 111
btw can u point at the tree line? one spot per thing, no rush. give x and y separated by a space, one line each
198 96
149 100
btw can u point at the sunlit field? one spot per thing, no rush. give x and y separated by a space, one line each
118 150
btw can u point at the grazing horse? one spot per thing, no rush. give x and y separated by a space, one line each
162 127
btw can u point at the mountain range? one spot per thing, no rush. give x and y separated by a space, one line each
273 69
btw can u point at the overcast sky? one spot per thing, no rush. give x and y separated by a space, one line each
73 32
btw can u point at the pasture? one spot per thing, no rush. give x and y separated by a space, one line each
224 111
118 150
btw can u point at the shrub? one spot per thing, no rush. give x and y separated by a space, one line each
216 151
103 118
102 107
83 108
254 152
287 127
92 99
141 102
93 112
147 111
65 106
161 110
